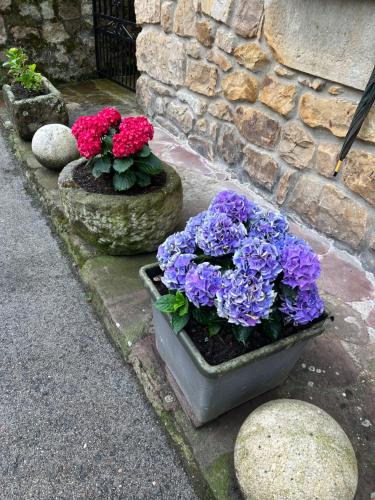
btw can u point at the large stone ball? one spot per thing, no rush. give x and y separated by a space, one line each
293 450
54 146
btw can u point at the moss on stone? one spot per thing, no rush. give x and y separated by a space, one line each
219 475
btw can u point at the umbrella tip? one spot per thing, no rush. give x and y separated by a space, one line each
337 169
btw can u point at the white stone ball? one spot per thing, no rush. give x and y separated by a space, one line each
54 146
289 449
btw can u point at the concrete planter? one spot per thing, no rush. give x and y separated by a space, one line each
121 224
209 391
28 115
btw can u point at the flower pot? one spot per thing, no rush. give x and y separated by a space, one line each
28 115
210 391
122 224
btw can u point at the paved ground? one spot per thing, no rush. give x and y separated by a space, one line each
73 422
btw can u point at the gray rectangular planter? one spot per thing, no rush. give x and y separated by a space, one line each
213 390
27 115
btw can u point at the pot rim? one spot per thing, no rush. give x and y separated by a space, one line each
52 90
247 358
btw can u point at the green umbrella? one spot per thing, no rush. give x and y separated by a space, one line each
360 114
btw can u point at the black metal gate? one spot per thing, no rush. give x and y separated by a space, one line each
115 36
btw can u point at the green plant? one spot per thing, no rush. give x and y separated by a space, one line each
20 71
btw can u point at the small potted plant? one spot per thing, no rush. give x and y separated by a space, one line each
119 196
234 302
31 100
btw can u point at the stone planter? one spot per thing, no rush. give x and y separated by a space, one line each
28 115
121 224
209 391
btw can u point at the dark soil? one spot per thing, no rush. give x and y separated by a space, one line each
104 185
21 93
224 346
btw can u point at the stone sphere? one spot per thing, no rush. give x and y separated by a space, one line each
54 146
289 449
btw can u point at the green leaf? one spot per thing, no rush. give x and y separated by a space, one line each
101 165
180 299
107 144
179 322
122 182
150 165
149 169
121 165
242 333
145 151
273 325
206 316
143 180
166 303
213 329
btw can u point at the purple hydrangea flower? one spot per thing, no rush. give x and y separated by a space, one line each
178 243
244 300
269 226
201 284
289 239
219 235
194 223
257 257
175 273
236 206
301 266
306 306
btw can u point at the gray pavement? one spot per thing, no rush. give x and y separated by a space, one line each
73 422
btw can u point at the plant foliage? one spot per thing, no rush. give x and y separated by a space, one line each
21 72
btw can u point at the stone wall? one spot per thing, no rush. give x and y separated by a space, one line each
230 77
56 34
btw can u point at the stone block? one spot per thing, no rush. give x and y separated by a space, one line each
167 65
278 96
334 115
225 40
201 77
313 83
166 16
240 86
3 33
197 104
54 32
257 127
218 9
147 11
205 32
251 56
185 18
221 110
181 115
262 168
144 95
330 210
326 158
247 16
4 5
230 144
284 186
217 57
193 49
207 127
359 174
203 146
296 146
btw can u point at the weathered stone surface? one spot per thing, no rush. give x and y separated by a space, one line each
122 225
166 65
296 146
24 33
3 33
180 115
68 10
160 88
29 10
240 86
185 18
28 115
334 115
193 49
166 16
205 32
4 5
278 96
326 158
246 17
285 72
203 146
312 83
284 186
197 104
329 210
147 11
301 36
221 109
144 95
230 144
325 465
218 9
217 57
54 32
208 128
54 146
262 168
335 90
359 174
201 77
251 56
257 127
225 40
46 8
